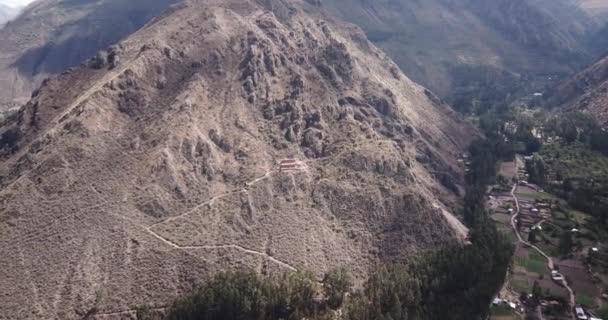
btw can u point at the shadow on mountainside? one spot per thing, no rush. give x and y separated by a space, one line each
76 41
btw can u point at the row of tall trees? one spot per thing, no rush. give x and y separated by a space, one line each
454 282
249 296
570 131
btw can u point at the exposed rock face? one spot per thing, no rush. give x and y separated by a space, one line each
53 35
229 134
587 92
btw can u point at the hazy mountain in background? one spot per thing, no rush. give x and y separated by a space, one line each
456 47
587 91
452 47
52 35
7 13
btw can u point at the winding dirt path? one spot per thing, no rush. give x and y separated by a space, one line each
226 246
550 263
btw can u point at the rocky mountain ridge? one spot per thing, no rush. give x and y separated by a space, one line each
53 35
445 45
442 44
224 135
587 92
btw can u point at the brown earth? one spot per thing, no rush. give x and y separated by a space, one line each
130 180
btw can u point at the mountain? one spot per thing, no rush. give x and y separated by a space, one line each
223 135
7 13
52 35
449 46
587 91
463 50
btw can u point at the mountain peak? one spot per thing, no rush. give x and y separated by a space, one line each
223 135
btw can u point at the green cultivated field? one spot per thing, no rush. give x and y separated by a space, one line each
533 263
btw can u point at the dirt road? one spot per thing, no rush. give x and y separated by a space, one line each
550 263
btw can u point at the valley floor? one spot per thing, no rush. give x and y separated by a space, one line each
537 225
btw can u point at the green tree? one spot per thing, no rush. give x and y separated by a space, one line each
532 235
537 292
565 243
568 131
536 170
337 283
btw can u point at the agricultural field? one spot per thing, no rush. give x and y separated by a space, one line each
503 313
530 266
563 233
531 261
581 282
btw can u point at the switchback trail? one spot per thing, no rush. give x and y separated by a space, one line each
226 246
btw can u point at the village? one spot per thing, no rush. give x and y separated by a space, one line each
558 269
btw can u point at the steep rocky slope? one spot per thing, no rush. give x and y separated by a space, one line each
587 91
434 40
225 134
52 35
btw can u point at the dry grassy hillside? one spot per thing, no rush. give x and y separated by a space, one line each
226 134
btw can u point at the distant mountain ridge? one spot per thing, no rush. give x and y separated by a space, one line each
587 91
443 44
53 35
7 13
431 40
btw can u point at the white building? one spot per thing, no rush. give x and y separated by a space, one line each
580 313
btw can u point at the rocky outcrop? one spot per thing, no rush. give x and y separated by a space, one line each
217 142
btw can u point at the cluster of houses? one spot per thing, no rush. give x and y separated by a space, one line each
505 201
504 302
528 185
465 162
532 212
581 314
